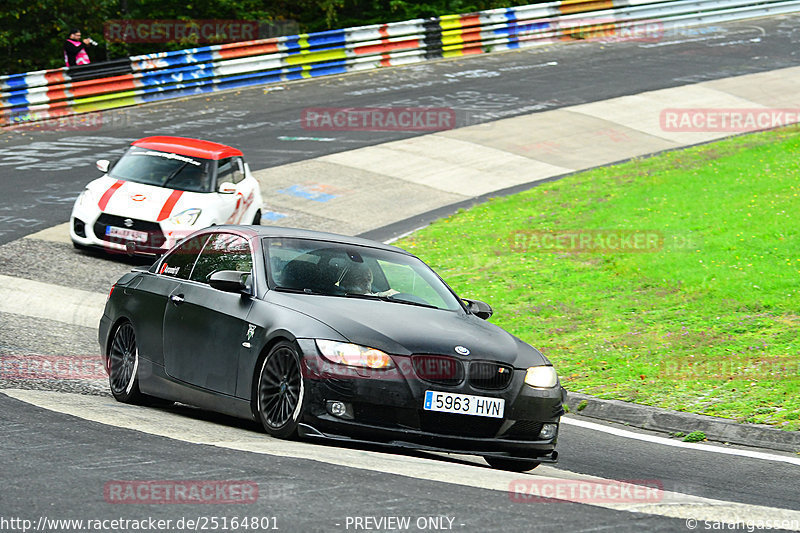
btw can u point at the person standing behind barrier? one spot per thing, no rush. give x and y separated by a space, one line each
75 50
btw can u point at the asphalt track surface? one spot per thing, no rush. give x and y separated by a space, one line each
56 465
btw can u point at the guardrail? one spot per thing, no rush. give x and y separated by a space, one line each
54 93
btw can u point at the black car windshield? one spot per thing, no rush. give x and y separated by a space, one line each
164 169
345 270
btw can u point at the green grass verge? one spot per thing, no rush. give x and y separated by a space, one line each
703 319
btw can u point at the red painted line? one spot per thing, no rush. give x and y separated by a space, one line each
169 205
243 51
58 92
470 20
105 85
108 194
386 46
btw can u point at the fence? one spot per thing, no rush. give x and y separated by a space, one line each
40 95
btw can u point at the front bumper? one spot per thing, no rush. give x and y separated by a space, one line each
433 442
89 230
387 408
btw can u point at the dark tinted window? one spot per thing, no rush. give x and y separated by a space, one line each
179 263
335 269
224 172
224 251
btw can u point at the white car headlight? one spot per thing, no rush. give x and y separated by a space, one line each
344 353
187 217
541 377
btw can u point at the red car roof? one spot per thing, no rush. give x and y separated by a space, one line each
190 147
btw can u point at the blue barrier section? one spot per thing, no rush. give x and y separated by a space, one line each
17 98
333 38
17 80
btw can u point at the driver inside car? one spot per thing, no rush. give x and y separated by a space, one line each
358 280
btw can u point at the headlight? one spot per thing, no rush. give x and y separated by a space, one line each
541 377
354 355
186 218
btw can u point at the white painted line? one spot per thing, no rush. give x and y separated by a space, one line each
403 235
52 302
679 444
176 426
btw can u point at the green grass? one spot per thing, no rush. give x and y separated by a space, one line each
706 322
695 436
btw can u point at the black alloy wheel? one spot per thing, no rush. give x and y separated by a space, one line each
281 391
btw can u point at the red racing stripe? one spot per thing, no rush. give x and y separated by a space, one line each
108 194
169 205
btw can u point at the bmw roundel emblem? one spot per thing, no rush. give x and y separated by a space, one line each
461 350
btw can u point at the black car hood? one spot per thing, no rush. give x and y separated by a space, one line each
404 329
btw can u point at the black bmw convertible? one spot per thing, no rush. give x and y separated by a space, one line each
318 335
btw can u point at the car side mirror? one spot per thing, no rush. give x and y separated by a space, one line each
226 188
478 308
103 164
230 281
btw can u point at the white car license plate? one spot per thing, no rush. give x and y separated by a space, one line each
127 234
465 404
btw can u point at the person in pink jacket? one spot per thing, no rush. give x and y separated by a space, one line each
75 49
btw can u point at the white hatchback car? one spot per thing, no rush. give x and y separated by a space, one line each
161 190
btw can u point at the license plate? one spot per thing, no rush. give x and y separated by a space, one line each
465 404
127 234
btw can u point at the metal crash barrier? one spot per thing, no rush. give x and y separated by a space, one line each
45 94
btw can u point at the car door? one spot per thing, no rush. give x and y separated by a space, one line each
152 294
230 171
205 328
248 188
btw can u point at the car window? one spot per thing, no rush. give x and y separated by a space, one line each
334 269
224 172
223 251
406 280
179 262
163 169
238 169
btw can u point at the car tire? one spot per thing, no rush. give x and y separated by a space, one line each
511 465
257 218
280 391
123 365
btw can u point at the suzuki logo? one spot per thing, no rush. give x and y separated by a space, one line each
128 223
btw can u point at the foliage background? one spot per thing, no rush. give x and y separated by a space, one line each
32 32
